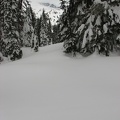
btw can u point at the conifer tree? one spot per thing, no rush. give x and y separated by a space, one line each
95 26
99 30
37 29
49 32
28 30
67 25
55 34
45 30
17 27
10 35
63 4
20 19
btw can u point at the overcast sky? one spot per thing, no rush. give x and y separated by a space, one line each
56 2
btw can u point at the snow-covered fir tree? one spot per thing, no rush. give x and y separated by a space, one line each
17 24
20 19
45 30
55 34
37 30
28 34
1 22
28 30
91 26
67 23
9 30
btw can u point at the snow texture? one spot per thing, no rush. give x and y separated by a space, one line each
52 86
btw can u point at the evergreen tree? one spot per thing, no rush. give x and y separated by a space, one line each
37 29
14 15
9 29
1 23
55 34
28 30
20 19
29 21
17 27
45 30
49 32
93 26
67 23
99 30
63 4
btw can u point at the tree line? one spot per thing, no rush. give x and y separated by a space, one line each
19 27
85 26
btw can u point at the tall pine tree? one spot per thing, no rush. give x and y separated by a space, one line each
9 29
45 30
17 24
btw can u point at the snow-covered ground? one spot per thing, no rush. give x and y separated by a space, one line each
52 86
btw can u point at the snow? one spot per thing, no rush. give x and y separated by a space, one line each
85 38
105 28
53 13
116 10
80 29
98 1
52 86
98 21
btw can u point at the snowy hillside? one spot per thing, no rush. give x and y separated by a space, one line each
52 10
52 86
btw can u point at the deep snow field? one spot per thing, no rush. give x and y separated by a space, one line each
49 85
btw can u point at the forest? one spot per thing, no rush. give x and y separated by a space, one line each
84 27
69 70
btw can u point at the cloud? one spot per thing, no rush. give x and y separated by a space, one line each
56 2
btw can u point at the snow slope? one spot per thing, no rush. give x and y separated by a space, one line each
52 86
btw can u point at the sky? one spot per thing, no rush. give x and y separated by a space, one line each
56 2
